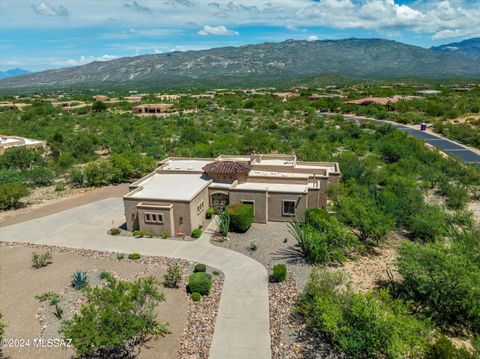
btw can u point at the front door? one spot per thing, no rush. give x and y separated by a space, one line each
219 202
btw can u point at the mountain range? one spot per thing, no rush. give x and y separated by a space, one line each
265 64
13 72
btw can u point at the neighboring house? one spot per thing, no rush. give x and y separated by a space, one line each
70 105
285 96
152 108
167 97
14 105
174 198
14 141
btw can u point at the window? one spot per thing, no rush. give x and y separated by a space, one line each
200 207
154 218
288 208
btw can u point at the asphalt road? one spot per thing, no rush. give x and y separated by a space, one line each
449 147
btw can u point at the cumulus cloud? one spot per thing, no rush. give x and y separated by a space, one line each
312 38
46 9
216 30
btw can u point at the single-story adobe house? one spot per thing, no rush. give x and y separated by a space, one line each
174 198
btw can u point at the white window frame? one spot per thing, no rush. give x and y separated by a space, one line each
155 218
294 207
200 207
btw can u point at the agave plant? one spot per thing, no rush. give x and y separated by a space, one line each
79 279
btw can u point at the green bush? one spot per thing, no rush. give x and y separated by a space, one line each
41 260
241 217
172 276
116 319
60 186
362 325
164 235
137 233
134 256
115 231
40 176
200 267
11 194
77 177
428 224
149 233
196 233
279 272
196 297
2 328
210 212
442 279
200 282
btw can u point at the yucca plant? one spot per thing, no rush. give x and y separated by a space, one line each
79 279
223 221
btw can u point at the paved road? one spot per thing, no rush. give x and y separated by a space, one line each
242 328
451 148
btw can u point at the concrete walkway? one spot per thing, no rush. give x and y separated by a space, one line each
242 328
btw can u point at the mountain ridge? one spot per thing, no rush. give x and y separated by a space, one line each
14 72
266 63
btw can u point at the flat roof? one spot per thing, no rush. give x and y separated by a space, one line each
185 165
171 186
272 187
256 173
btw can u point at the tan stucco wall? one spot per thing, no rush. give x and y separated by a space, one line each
275 206
260 199
198 218
157 228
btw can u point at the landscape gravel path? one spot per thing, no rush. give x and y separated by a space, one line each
242 324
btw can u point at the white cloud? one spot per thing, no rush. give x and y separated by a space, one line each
216 30
82 60
46 9
312 38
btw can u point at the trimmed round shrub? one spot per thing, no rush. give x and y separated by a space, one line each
115 231
196 296
209 214
134 256
196 233
241 217
200 282
200 267
137 233
279 272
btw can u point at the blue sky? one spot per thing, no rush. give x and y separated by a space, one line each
39 35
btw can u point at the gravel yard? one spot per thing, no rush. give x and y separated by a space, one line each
274 244
190 323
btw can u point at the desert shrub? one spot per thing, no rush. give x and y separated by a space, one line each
443 348
279 272
210 212
116 318
40 176
196 297
457 196
11 194
137 233
428 224
241 217
252 246
115 231
173 276
60 186
149 233
362 325
196 233
134 256
79 279
323 238
104 275
442 278
77 177
41 260
120 256
2 330
200 282
216 272
200 267
52 297
164 235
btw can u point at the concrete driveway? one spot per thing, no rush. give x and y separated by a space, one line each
242 328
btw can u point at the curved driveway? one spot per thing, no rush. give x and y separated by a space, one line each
242 328
463 153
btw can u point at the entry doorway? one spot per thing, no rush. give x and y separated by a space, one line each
219 202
